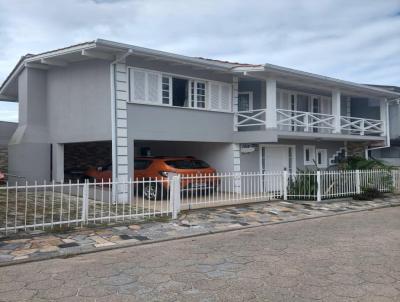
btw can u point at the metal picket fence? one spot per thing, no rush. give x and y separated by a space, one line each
49 205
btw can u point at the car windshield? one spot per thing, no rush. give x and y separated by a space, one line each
187 164
142 164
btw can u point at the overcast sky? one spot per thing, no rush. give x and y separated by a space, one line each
352 40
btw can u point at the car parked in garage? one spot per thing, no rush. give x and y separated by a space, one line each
199 174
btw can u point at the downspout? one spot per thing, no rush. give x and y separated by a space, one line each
113 114
387 124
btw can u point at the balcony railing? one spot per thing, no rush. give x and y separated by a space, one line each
303 121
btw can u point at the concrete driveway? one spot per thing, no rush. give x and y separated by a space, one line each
351 257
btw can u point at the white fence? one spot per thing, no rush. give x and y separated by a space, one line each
34 206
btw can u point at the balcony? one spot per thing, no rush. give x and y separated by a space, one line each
308 122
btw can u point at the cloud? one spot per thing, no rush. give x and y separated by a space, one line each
8 112
355 40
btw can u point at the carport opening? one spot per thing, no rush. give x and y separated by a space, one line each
217 155
79 157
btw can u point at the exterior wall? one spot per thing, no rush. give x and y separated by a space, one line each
256 88
149 122
29 148
250 162
79 102
218 155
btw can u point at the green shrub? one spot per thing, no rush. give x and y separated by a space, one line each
368 194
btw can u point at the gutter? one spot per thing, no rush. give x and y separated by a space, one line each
113 112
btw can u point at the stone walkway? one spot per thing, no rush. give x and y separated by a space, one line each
39 245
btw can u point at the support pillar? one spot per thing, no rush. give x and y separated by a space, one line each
336 95
270 116
57 162
384 116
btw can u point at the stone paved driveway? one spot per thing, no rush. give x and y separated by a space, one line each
39 245
354 257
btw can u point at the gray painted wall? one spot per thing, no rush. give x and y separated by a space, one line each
79 102
394 119
250 162
29 147
149 122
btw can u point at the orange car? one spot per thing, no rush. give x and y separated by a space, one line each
152 168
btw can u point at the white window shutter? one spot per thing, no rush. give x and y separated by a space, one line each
225 97
137 83
214 96
153 89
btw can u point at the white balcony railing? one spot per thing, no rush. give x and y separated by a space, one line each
303 121
250 118
361 126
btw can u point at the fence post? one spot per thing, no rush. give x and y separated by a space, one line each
318 185
358 183
85 202
285 184
175 194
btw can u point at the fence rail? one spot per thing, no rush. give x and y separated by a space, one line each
39 206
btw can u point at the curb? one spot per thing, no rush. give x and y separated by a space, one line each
90 250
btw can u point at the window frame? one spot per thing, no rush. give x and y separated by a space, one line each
312 153
324 158
169 75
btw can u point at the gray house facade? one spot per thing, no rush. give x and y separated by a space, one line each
106 102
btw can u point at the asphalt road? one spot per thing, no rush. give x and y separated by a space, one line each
352 257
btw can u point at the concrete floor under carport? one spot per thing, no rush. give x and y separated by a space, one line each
218 155
80 156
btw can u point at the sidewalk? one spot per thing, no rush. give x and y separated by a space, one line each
39 245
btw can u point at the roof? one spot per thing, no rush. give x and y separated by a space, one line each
111 50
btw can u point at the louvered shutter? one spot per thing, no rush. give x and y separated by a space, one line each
214 96
138 84
225 97
153 89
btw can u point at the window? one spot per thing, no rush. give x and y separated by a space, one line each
322 158
245 101
151 87
309 155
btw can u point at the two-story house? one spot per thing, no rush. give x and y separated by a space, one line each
103 101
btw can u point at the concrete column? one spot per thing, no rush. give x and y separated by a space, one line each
235 100
336 110
58 162
384 117
236 168
119 118
270 116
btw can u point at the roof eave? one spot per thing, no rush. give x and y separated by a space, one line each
274 68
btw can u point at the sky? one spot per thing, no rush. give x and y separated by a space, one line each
355 40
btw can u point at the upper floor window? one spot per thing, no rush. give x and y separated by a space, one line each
153 87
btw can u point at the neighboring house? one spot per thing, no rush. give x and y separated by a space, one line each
391 155
102 101
7 129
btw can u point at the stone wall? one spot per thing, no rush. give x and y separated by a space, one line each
84 155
